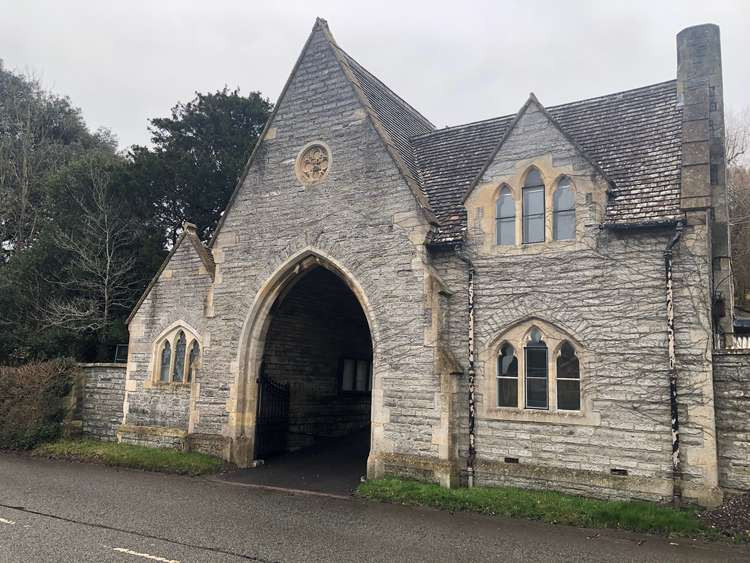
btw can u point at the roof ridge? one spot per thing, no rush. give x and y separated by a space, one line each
415 112
448 128
412 182
532 99
628 91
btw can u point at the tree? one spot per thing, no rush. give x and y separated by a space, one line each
738 193
197 157
39 132
97 239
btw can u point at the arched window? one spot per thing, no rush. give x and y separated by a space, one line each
536 371
505 217
166 358
195 351
178 371
507 377
533 207
564 211
178 355
568 379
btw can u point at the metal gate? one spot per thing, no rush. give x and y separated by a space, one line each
272 423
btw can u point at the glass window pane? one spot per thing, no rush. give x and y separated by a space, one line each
507 392
567 363
166 356
533 229
347 377
564 225
363 373
533 201
506 207
179 358
507 362
506 231
533 178
195 350
536 362
533 214
536 393
569 395
563 198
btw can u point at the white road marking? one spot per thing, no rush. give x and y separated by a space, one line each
145 555
4 521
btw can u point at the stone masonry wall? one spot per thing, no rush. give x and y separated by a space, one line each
101 399
179 296
362 217
732 388
606 290
318 323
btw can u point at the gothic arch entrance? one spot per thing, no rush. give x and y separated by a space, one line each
309 341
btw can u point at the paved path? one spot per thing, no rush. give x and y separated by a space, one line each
334 466
58 511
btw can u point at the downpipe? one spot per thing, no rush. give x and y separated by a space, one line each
676 467
472 373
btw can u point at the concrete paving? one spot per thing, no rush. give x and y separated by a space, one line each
334 466
60 511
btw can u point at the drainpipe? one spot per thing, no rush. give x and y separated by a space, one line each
676 472
472 373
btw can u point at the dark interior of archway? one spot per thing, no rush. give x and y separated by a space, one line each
319 343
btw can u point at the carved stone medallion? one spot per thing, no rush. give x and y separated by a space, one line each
313 163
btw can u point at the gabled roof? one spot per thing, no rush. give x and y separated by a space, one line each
394 120
634 137
189 233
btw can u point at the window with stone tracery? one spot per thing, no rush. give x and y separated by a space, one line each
537 368
177 357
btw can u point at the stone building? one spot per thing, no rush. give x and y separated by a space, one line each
537 299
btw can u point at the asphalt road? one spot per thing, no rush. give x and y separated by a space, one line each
58 511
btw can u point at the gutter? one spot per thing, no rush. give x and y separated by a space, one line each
472 372
676 470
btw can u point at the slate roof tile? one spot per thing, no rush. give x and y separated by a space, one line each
634 136
400 120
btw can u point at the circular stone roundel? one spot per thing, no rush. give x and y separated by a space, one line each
313 163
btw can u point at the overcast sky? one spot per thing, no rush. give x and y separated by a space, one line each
124 62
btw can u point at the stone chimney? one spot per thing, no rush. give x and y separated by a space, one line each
700 93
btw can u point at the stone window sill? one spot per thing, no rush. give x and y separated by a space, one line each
171 385
513 414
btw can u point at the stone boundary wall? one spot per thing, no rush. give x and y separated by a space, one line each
101 398
732 396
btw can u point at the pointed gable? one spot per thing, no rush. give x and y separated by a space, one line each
633 137
399 119
187 242
394 120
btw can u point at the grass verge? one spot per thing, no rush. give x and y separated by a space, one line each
135 457
547 506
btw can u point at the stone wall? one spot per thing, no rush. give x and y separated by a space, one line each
178 297
605 290
732 389
101 398
362 220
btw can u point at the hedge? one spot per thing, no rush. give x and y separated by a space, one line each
33 402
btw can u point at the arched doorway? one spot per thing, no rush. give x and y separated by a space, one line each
318 356
310 329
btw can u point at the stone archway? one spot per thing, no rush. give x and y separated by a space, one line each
325 385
